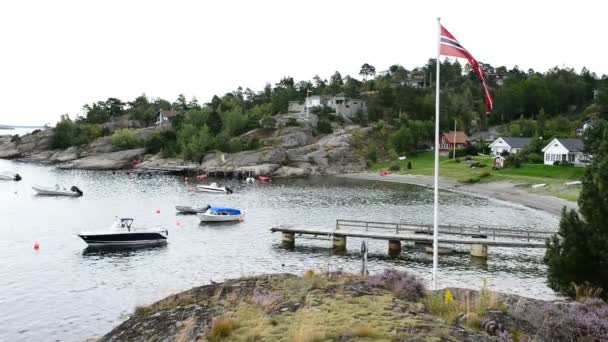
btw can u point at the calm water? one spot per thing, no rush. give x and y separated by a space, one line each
68 293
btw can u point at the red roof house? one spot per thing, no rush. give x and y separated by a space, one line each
448 139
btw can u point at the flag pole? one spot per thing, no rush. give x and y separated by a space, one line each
436 180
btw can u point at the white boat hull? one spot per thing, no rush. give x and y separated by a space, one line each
9 176
54 192
220 218
211 190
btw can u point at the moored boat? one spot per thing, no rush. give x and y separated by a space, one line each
264 179
7 175
183 209
57 191
214 188
122 233
221 214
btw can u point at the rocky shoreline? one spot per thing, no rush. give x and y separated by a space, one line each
287 151
392 306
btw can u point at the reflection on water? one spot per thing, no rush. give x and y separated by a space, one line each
71 292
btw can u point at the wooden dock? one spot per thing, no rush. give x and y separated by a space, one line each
478 237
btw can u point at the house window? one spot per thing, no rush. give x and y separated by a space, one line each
571 158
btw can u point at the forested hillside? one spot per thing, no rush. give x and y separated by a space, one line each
400 108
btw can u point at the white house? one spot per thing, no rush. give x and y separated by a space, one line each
164 116
508 144
344 106
569 150
580 130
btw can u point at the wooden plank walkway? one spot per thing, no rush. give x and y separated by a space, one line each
463 235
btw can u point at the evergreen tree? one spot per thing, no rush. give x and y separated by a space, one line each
578 254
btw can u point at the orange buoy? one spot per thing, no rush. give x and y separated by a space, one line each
36 246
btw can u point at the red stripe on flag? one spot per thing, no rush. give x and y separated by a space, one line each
448 50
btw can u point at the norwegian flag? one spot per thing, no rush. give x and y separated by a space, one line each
449 46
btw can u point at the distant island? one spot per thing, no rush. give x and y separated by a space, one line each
6 127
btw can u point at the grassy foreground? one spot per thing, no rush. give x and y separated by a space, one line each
329 307
526 175
390 306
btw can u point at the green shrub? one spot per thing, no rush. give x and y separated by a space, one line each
372 153
69 133
409 165
471 180
324 127
394 167
292 122
125 139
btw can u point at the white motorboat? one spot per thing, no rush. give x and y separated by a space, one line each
182 209
57 191
7 175
219 214
214 188
122 233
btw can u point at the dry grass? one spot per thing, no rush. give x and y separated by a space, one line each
363 331
586 290
186 330
470 309
222 327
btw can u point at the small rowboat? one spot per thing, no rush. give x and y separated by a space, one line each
219 214
264 179
182 209
7 175
214 188
57 191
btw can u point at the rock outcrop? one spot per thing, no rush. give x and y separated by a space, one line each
106 161
329 307
289 148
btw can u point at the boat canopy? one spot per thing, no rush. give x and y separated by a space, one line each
224 211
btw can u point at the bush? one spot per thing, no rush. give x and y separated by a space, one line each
292 122
69 133
471 180
324 127
125 139
514 161
477 164
372 153
223 327
562 163
485 174
403 284
576 321
409 165
394 167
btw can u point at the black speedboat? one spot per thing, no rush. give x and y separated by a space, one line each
122 233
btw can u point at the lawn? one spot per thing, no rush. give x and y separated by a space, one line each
527 174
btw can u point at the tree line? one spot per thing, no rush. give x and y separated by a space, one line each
400 101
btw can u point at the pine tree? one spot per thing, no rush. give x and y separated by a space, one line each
579 253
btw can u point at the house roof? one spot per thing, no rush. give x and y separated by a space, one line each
516 142
168 113
573 145
461 137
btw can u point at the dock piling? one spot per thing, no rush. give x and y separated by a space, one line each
339 242
479 251
394 248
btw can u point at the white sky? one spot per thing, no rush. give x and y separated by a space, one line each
58 55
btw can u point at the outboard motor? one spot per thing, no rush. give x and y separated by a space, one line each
228 190
75 189
17 177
